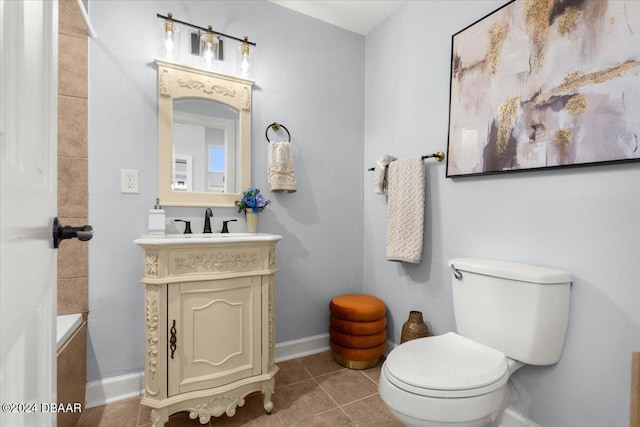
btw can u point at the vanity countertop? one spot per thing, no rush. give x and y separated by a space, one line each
173 239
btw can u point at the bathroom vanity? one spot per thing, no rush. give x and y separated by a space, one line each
209 322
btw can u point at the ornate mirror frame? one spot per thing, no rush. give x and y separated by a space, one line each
180 81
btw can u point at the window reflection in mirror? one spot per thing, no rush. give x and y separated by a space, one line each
205 151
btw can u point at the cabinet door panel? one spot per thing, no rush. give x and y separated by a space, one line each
217 332
229 318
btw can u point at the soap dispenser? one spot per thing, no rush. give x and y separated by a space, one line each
157 219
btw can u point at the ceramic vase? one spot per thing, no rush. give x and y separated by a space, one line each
252 221
414 327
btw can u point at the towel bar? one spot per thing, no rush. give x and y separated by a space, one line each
276 126
439 156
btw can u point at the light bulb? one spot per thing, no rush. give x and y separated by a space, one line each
208 48
170 46
244 65
244 59
169 43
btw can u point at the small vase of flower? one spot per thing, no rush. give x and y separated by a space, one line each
252 204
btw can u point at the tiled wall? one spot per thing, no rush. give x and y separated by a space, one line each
73 200
72 156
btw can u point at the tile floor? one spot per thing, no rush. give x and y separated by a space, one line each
312 391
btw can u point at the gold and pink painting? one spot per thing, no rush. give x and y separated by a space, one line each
546 83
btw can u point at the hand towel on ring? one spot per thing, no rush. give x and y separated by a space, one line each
280 168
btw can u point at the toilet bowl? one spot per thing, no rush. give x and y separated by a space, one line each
446 380
507 315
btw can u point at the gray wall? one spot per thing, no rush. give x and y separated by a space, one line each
309 76
584 220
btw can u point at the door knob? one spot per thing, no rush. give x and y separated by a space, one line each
61 233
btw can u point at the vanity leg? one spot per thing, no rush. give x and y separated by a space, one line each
268 404
159 417
267 389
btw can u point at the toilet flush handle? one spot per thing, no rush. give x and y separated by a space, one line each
457 273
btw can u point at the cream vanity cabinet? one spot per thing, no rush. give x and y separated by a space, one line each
209 323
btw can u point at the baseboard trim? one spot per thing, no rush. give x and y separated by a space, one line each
114 389
310 345
302 347
127 386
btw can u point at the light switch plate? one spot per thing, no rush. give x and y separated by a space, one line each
129 181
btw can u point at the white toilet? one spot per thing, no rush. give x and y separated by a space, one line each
507 315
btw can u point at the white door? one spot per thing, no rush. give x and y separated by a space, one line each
28 133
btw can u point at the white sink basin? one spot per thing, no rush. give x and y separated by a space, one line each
172 239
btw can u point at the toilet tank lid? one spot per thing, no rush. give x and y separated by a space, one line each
512 270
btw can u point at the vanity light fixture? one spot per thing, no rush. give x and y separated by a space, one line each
170 48
208 48
209 45
244 58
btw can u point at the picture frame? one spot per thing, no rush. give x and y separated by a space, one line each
540 84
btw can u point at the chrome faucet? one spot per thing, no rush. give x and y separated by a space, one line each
207 220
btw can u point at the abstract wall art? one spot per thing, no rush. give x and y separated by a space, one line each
546 83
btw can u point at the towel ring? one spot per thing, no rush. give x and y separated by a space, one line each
276 126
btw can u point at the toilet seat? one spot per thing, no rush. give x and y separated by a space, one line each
446 366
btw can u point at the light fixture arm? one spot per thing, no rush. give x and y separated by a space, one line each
171 18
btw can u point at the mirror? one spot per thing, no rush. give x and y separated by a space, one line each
205 147
204 136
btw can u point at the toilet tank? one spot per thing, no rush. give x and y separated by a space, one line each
521 310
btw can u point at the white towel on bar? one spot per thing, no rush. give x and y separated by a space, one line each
405 210
280 167
380 174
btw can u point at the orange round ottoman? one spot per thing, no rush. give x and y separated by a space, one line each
357 330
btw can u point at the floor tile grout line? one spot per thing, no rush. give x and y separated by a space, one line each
296 360
311 377
355 401
369 378
342 410
350 403
359 400
327 393
328 373
294 383
341 407
139 411
350 419
273 414
280 420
